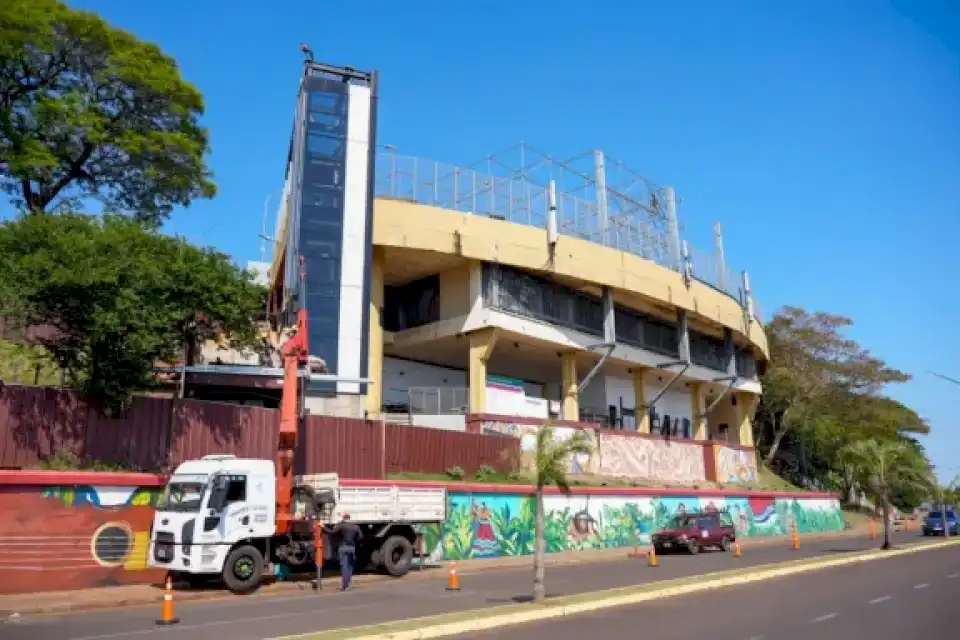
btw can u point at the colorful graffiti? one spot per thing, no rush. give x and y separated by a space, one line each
736 466
490 525
70 537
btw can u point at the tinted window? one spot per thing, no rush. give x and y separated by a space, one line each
706 523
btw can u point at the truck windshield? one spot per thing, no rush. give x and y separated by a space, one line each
683 522
183 495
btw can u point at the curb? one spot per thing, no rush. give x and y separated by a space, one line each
280 588
602 599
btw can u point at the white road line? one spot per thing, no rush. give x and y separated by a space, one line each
922 585
756 638
953 575
826 617
879 600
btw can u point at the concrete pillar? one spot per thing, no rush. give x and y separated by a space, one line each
569 386
640 400
683 335
374 401
697 412
745 410
729 352
482 343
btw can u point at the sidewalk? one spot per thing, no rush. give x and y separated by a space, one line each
49 602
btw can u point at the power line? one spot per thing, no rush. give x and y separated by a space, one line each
943 377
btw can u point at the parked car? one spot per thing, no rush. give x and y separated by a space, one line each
933 524
694 531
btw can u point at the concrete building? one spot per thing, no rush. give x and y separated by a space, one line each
529 287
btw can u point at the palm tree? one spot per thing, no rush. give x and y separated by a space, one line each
883 466
552 460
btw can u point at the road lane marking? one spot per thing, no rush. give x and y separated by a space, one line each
824 618
922 585
879 600
953 575
756 638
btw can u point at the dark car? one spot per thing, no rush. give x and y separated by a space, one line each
933 524
694 531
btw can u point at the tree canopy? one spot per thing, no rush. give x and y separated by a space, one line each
88 111
120 297
822 394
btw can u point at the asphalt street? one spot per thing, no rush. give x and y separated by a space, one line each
912 596
258 617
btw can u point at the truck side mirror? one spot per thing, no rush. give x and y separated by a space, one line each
218 494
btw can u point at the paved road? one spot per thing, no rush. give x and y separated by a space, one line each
258 617
913 596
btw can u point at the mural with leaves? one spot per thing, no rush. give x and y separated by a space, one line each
482 525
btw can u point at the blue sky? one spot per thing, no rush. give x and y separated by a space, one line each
823 135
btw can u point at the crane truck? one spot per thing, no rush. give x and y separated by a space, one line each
229 517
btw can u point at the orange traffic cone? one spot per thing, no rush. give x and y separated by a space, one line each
652 560
736 550
453 582
795 538
873 529
166 612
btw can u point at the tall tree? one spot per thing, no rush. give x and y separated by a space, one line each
885 467
120 297
815 370
552 461
89 111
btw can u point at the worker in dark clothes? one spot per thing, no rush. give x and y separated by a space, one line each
346 536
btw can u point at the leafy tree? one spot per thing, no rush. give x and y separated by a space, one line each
552 461
882 468
120 297
89 111
815 370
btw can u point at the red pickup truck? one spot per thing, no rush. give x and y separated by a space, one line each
694 531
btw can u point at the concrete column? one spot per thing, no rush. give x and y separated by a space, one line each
683 335
374 400
569 386
746 409
482 343
729 352
640 400
697 412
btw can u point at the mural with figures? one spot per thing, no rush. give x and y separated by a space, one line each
72 537
736 466
489 525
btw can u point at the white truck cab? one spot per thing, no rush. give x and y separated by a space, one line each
217 518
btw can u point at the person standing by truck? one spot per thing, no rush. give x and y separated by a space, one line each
345 536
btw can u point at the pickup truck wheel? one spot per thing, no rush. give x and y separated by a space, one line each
725 544
396 556
243 569
693 547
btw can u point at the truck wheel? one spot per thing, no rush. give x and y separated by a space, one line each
693 547
725 544
396 555
243 569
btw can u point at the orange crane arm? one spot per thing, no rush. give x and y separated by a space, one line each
295 354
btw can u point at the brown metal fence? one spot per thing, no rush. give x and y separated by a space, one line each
156 434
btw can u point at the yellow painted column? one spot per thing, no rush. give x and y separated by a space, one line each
374 403
640 400
697 412
569 386
746 409
482 343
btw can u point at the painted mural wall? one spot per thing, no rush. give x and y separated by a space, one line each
74 537
652 460
736 466
486 525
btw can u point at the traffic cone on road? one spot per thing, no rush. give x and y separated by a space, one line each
795 538
652 557
736 550
873 529
166 611
453 582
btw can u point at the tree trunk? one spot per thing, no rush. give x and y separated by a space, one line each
774 446
886 521
539 593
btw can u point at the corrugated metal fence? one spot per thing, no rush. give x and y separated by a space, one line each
156 434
